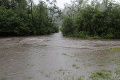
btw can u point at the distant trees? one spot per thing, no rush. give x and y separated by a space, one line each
99 19
23 17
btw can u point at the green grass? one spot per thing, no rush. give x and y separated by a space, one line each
75 66
101 75
115 49
117 72
101 65
80 78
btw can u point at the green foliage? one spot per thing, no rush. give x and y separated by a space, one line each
17 17
68 24
43 23
95 19
81 34
11 23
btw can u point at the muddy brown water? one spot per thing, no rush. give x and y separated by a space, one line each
54 57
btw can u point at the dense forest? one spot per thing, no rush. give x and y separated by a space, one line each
92 19
23 17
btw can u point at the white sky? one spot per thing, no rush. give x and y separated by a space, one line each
60 3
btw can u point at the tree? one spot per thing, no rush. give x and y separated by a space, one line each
21 17
98 19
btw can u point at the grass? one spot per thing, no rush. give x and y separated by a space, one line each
3 79
101 75
75 66
115 49
61 70
101 65
29 78
117 71
80 78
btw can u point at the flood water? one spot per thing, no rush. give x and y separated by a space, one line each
54 57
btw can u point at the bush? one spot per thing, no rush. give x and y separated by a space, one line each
68 26
11 23
90 21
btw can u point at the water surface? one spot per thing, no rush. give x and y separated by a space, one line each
54 57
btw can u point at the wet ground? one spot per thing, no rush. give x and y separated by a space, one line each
54 57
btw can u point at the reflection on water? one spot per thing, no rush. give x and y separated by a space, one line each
54 57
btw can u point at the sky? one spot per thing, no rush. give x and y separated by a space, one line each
60 3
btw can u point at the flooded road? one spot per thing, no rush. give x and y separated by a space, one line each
54 57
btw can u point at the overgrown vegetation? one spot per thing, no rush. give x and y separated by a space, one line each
23 17
115 49
92 18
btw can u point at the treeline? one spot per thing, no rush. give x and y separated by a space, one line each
23 17
92 19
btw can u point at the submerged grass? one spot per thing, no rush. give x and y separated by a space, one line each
101 65
75 66
104 75
101 75
80 78
115 49
3 79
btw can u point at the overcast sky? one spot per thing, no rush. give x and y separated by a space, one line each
60 3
